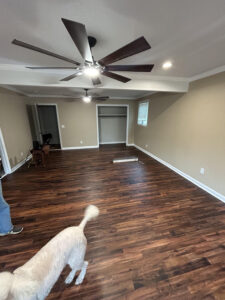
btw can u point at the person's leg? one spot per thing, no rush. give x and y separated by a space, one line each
6 226
5 219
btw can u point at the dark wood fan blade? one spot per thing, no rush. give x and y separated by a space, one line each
79 36
116 76
100 98
69 77
130 68
137 46
96 81
34 48
51 68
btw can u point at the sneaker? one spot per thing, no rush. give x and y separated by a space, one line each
15 230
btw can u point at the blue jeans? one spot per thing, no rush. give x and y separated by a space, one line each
5 219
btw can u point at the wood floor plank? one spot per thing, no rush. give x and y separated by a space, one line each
158 236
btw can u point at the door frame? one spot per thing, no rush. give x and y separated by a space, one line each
118 105
57 118
5 158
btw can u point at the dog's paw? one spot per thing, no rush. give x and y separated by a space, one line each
78 281
68 280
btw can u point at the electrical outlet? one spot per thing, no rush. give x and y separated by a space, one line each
202 171
21 153
146 146
81 142
63 126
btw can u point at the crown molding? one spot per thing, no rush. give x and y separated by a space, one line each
13 89
207 74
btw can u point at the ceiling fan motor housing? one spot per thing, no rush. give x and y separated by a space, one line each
92 41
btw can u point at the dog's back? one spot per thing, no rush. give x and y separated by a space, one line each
35 278
46 265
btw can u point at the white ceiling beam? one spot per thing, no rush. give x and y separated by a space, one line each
22 76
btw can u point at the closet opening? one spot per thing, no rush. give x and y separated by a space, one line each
112 124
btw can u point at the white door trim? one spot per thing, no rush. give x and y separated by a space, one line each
119 105
5 158
38 124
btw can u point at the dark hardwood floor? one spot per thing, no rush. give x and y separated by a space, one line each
157 237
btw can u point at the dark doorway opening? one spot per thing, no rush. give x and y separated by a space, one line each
49 128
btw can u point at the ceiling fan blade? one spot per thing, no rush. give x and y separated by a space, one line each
51 68
79 36
69 77
116 76
137 46
130 68
100 98
96 81
34 48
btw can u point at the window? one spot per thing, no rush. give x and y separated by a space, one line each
143 114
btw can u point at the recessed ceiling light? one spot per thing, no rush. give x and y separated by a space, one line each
167 65
87 99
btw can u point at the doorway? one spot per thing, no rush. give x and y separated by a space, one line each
48 121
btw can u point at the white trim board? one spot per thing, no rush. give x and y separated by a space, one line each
20 164
108 143
186 176
81 147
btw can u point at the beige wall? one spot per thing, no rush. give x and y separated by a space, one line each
15 126
79 119
188 130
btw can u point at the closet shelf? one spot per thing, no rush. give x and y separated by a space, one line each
112 115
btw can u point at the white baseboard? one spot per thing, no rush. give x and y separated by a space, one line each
186 176
130 145
82 147
20 164
109 143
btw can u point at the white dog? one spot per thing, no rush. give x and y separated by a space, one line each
35 279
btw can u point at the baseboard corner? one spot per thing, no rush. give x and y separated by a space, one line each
20 164
186 176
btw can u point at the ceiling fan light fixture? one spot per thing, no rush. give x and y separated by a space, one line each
87 99
91 71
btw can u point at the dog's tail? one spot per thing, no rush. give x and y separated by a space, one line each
90 212
6 280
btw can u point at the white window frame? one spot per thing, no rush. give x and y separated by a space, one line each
139 122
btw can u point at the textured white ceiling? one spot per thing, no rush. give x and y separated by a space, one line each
188 32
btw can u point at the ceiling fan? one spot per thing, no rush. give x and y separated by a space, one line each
90 66
88 98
